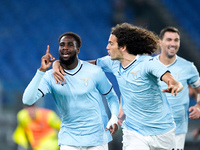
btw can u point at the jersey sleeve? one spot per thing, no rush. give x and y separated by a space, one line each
106 89
105 63
33 91
156 68
194 79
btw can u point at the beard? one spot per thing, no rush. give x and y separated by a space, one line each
68 61
171 55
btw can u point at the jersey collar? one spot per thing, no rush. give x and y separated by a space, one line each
75 70
134 60
169 64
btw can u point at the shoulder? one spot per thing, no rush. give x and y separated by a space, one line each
104 58
182 60
91 67
107 59
93 71
184 63
49 72
147 58
48 75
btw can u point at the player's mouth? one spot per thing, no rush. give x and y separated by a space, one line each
172 49
108 53
65 55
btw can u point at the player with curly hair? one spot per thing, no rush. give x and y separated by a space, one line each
149 123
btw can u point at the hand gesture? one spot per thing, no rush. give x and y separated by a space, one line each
194 112
46 60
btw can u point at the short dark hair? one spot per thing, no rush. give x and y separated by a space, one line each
76 37
168 29
136 39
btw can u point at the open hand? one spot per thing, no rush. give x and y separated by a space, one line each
173 88
194 112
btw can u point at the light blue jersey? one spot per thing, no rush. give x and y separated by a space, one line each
79 101
145 106
186 73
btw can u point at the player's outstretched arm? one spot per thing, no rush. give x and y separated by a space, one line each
174 86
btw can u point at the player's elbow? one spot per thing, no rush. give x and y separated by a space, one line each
26 100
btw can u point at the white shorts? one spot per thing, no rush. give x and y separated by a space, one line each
180 141
132 140
100 147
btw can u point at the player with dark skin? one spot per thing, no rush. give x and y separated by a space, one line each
72 63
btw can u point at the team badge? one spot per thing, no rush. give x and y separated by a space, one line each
134 73
86 81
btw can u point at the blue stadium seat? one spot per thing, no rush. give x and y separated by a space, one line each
27 27
187 14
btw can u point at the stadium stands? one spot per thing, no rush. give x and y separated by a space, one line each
27 27
187 13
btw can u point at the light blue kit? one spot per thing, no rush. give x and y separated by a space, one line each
79 101
186 73
146 107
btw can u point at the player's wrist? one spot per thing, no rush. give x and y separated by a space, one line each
41 69
114 119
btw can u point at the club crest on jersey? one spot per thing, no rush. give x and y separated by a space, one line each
134 73
86 81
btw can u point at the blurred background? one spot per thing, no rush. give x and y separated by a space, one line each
27 27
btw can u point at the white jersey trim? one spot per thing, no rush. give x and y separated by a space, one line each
196 84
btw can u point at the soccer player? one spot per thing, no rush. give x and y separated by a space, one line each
185 72
149 123
79 99
37 128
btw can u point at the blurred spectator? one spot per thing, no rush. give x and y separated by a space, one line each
196 133
37 129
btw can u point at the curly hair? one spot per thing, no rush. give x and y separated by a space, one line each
76 37
136 39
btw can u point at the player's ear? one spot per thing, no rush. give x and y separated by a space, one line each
78 50
123 48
